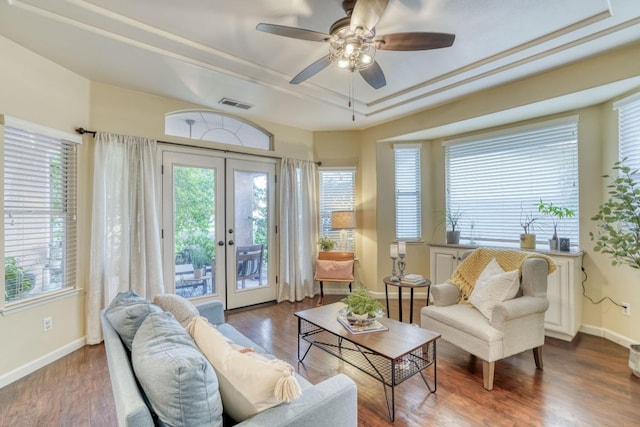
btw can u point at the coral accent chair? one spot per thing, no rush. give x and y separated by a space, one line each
514 326
334 266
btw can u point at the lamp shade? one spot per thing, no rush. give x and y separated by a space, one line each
343 220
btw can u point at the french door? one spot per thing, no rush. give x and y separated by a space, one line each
218 227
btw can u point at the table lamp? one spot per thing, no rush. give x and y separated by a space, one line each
343 221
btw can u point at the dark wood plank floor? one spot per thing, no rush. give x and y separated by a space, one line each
585 383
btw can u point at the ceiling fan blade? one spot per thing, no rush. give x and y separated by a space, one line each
293 32
374 76
367 13
414 41
312 70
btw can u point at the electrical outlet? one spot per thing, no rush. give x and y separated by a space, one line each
47 324
626 308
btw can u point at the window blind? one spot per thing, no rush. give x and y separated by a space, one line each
337 193
629 130
497 179
39 212
408 192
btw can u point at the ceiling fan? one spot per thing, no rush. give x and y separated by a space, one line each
353 41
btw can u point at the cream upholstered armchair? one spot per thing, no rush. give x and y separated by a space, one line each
512 325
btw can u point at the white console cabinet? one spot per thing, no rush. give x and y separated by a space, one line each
564 316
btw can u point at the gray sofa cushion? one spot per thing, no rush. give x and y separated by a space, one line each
126 313
179 382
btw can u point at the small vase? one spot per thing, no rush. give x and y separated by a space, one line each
453 237
634 359
527 241
553 245
197 273
361 319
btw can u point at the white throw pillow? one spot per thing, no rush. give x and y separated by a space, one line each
249 381
493 286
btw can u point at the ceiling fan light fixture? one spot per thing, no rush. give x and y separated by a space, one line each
343 63
351 50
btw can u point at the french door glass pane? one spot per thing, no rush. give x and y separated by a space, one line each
194 225
251 233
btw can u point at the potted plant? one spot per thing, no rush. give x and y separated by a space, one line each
528 238
16 281
618 230
199 259
361 307
326 244
557 214
450 220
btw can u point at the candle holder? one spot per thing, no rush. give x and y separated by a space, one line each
394 277
401 264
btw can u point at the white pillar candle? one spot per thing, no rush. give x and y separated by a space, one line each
402 248
394 251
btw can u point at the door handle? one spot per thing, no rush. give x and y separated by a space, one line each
221 243
231 242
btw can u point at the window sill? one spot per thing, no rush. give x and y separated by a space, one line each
28 303
574 252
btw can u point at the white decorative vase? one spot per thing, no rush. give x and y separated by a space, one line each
634 359
361 319
553 245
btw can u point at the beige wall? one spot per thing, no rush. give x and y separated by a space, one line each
128 112
37 90
597 151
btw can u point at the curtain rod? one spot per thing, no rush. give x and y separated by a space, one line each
82 131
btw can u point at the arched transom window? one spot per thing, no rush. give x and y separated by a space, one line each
216 127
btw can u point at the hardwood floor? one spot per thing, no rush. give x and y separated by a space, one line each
584 383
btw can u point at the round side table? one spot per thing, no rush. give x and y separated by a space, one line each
400 284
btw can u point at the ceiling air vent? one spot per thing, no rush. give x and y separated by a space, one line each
234 103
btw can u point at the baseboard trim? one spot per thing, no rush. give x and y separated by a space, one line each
608 334
587 329
41 362
380 295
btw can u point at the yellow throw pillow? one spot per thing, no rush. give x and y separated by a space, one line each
249 381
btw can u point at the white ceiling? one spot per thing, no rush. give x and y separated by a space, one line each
203 50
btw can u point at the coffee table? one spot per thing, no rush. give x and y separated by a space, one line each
390 356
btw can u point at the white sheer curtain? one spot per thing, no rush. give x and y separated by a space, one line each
125 231
298 229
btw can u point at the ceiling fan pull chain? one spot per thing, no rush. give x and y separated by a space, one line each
352 102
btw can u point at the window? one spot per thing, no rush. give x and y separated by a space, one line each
629 130
216 127
496 179
39 209
337 193
407 191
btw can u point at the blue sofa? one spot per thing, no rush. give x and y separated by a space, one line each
332 402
